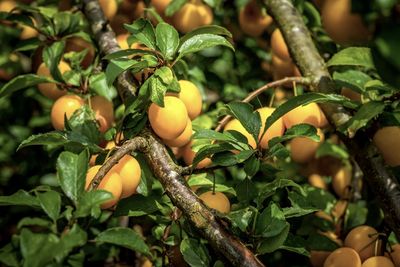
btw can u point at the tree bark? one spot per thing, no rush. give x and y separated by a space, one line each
158 158
304 53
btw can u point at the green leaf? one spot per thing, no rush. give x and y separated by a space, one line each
174 6
28 221
353 56
124 237
200 42
249 119
51 57
37 249
270 188
167 39
246 191
137 206
51 203
8 256
21 197
98 84
297 211
83 122
22 82
71 170
159 83
75 237
51 138
353 79
143 31
273 243
307 99
365 114
252 166
270 222
194 253
117 66
302 129
209 29
129 52
89 203
241 218
295 244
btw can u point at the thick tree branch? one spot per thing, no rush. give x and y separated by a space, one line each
305 55
162 164
105 38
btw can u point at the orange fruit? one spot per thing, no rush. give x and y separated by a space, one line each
67 105
303 148
281 68
343 26
191 97
217 201
111 183
341 181
395 254
364 240
277 128
130 172
183 138
170 121
378 261
252 21
103 107
109 8
279 47
7 5
387 141
317 181
311 114
317 257
192 15
343 257
50 90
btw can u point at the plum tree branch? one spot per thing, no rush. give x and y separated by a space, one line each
304 53
164 168
260 90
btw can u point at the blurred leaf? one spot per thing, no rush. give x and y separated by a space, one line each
167 39
71 170
194 253
143 31
22 82
51 203
353 56
51 57
124 237
365 114
28 221
329 149
200 42
21 197
174 6
8 256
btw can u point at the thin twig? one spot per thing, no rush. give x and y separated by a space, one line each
258 91
137 143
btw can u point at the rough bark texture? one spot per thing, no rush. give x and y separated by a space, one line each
304 53
158 158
